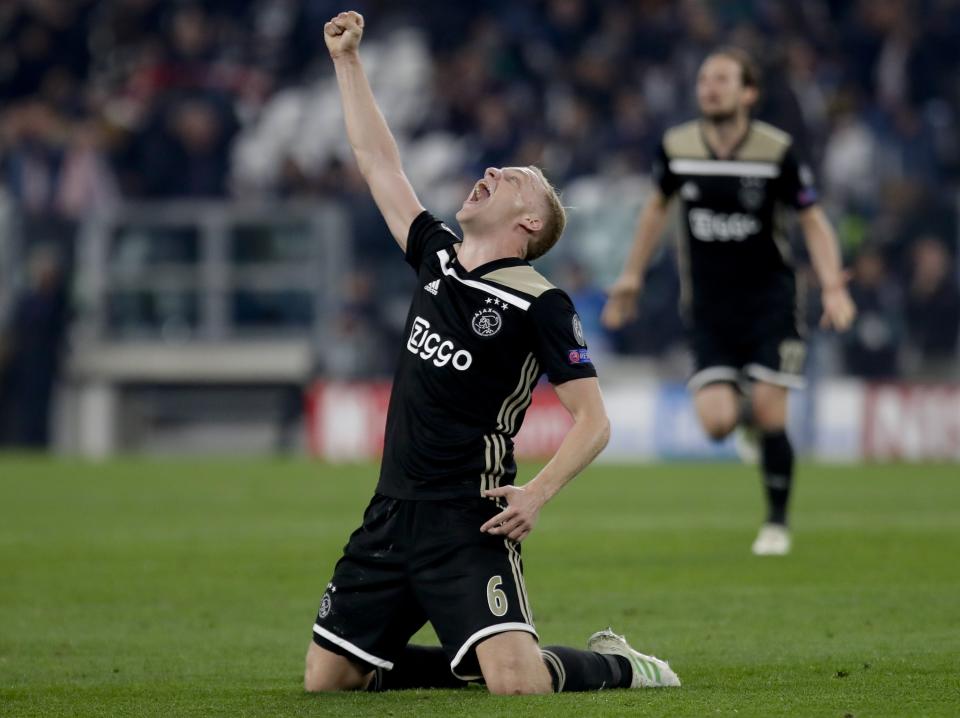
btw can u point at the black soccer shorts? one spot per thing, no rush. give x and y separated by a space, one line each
417 561
773 353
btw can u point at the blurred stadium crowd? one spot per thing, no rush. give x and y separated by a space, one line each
103 101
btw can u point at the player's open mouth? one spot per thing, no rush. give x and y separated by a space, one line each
480 193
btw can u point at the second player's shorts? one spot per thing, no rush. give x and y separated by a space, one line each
773 353
417 561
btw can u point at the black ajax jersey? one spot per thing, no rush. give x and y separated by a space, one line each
735 261
475 345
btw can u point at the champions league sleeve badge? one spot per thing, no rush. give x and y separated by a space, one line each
578 356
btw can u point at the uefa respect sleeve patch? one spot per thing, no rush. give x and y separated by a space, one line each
578 356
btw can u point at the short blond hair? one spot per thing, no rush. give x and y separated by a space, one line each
553 223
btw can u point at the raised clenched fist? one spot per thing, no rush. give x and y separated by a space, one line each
342 34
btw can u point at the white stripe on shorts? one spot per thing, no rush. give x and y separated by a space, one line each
346 645
758 372
711 375
486 633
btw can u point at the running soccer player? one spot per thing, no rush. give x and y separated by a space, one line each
440 541
735 177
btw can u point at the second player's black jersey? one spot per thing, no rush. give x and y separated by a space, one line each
476 343
735 258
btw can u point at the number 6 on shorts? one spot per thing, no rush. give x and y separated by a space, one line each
496 598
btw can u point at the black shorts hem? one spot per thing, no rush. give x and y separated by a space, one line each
753 372
342 647
482 634
766 375
717 374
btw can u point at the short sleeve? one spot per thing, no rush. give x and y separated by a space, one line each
427 235
561 348
797 187
663 177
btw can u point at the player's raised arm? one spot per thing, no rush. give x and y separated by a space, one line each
621 305
585 439
839 310
371 140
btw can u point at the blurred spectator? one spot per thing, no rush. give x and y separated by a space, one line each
86 183
187 148
31 348
907 149
631 141
103 100
872 344
359 345
807 85
849 172
33 138
933 310
496 135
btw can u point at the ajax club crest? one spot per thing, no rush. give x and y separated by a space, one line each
752 192
326 603
487 322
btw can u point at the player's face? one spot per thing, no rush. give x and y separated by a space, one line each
721 93
503 196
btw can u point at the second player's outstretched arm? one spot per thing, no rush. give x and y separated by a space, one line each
839 310
370 138
621 306
586 438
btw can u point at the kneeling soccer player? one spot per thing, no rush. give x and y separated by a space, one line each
440 541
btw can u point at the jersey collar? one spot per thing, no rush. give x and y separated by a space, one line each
485 268
736 148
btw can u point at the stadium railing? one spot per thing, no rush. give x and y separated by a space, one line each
185 296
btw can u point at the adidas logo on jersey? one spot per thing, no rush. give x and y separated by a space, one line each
432 287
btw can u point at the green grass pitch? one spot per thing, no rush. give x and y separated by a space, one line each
188 588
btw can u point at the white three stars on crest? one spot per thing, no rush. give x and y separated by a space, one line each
496 302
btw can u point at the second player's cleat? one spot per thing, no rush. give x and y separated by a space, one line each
773 540
648 671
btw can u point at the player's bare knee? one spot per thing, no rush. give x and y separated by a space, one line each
518 684
325 673
514 674
321 680
769 408
513 687
316 679
717 409
769 417
718 430
719 423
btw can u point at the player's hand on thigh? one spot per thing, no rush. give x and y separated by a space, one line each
342 34
518 519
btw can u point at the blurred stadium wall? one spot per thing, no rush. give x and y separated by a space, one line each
189 262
